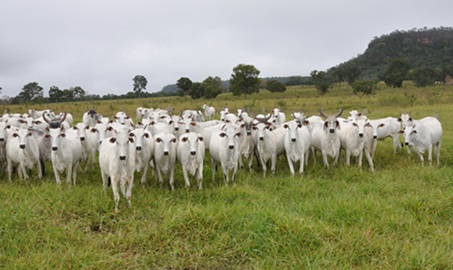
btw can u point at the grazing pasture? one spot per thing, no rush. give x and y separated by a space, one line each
400 216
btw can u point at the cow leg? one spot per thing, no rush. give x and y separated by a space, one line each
290 164
186 177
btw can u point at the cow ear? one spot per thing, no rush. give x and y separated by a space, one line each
401 132
87 127
131 140
37 122
184 139
306 122
414 131
238 134
112 140
337 125
285 125
381 125
146 135
299 125
399 120
63 135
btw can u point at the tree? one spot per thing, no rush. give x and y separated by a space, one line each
365 87
197 90
244 80
31 92
212 87
140 83
184 84
424 76
275 86
55 94
351 74
78 92
396 73
321 81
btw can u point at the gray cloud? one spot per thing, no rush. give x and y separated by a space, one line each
101 45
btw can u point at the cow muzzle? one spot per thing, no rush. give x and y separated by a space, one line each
332 130
406 143
54 148
138 148
231 146
361 135
293 139
193 153
166 153
122 157
22 146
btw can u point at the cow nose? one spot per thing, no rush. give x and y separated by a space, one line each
406 143
193 153
2 139
138 148
187 130
293 139
332 130
261 138
176 128
54 148
166 153
82 138
122 157
249 132
231 146
22 146
361 135
375 136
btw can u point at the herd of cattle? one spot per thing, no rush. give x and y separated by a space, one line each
160 139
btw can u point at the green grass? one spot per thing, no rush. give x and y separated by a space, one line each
399 217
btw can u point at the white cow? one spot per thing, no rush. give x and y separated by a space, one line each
386 127
22 149
278 118
123 119
324 137
223 148
422 135
246 144
66 153
90 118
353 134
209 111
117 163
144 150
266 145
297 144
190 153
165 157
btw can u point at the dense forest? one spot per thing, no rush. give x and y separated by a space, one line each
420 48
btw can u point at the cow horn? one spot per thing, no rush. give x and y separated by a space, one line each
45 118
64 117
339 113
321 113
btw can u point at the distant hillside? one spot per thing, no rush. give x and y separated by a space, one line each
422 48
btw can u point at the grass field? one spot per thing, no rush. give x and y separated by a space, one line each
399 217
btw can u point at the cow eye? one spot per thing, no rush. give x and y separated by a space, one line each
238 134
173 140
184 139
131 140
354 124
222 135
146 135
131 134
15 135
200 139
63 135
29 134
158 140
47 135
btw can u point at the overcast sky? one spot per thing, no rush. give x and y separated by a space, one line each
100 45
